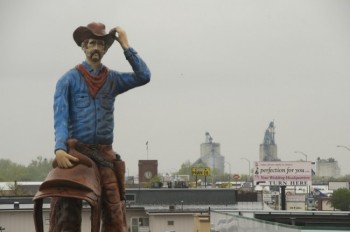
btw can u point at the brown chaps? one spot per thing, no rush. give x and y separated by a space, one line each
65 215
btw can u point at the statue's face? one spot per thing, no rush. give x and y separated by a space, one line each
94 50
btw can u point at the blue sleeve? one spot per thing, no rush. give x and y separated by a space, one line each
61 114
140 76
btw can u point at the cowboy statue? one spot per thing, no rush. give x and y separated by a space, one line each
84 122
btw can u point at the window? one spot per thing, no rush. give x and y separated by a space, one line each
143 221
170 223
134 225
130 197
137 223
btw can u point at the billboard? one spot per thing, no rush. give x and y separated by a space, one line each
200 171
282 173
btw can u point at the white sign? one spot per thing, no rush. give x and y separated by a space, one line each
295 206
332 185
295 198
295 202
281 173
267 197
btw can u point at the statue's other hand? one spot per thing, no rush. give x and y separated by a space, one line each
64 160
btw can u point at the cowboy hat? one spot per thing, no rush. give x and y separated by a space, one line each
93 31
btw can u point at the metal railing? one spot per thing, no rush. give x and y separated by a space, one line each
226 221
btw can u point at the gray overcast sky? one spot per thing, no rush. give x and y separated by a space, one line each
228 67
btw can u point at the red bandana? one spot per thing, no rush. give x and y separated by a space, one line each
94 82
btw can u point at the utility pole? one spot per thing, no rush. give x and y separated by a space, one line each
248 166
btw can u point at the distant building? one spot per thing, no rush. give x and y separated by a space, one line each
147 170
327 167
268 149
211 155
155 210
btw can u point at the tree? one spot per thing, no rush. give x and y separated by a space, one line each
341 199
156 182
10 171
39 168
186 168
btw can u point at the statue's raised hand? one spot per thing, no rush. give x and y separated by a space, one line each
121 37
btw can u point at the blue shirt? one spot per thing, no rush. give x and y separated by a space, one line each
90 120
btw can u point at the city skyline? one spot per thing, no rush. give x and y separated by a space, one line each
228 67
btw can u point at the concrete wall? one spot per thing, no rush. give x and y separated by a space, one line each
268 152
182 223
22 220
328 169
202 223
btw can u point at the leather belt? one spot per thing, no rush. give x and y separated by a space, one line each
93 154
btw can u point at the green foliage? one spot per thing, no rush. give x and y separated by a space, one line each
10 171
156 182
341 199
186 168
37 170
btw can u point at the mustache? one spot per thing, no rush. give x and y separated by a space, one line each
96 52
92 53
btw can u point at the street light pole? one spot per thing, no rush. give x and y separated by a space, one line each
300 152
248 166
344 147
229 165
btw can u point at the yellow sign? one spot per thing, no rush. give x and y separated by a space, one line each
199 171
